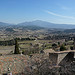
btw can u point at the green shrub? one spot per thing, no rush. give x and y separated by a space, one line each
62 48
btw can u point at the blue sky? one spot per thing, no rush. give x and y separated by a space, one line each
55 11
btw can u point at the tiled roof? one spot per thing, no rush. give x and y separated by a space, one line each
16 63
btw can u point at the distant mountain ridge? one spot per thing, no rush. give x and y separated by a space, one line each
41 24
2 23
48 24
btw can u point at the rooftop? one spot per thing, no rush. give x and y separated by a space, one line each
67 51
16 63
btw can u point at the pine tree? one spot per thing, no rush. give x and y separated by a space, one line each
16 47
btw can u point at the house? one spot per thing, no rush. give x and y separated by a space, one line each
13 64
62 57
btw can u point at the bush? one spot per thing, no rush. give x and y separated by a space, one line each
71 47
62 48
54 45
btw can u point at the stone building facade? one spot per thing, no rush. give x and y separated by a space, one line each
62 57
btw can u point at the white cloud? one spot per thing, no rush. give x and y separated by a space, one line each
70 17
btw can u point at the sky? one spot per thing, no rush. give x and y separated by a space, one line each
54 11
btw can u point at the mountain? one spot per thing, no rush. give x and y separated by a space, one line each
32 27
3 24
47 24
39 23
69 31
6 25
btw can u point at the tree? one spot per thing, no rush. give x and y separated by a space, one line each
71 47
54 46
59 43
62 48
16 47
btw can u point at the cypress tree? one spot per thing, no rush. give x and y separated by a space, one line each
16 47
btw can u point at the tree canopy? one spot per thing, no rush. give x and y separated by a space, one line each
62 48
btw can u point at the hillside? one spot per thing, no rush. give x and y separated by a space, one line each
39 23
47 24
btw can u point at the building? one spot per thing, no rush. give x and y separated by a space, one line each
13 64
62 57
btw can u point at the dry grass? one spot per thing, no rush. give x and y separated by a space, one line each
6 49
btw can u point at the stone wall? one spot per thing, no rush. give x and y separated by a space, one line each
67 59
53 58
61 56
